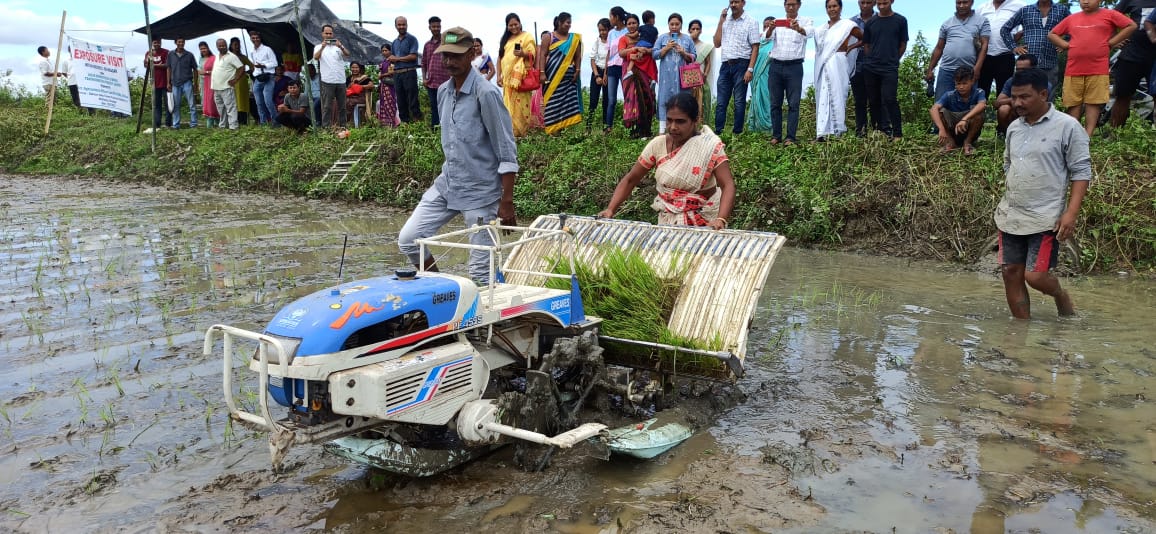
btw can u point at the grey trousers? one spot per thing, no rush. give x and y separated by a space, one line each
226 100
332 104
431 214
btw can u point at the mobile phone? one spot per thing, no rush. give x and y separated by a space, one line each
517 46
331 41
782 23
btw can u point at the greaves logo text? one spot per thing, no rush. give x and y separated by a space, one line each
448 296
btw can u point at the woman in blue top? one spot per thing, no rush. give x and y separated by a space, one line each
673 50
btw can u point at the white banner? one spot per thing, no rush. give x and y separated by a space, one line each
100 74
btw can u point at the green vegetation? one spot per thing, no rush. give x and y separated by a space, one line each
635 302
870 194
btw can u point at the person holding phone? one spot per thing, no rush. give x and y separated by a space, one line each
331 55
673 50
738 36
516 53
785 76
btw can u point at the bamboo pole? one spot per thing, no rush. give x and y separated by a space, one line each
140 107
151 73
308 89
55 73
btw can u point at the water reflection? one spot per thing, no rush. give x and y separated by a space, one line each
999 424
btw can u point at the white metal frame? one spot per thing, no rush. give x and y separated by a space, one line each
496 250
265 343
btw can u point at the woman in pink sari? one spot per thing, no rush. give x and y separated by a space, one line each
691 171
208 106
387 102
638 72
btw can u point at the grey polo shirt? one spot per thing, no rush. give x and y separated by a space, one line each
478 141
1039 160
959 36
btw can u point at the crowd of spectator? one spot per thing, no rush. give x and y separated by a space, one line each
856 61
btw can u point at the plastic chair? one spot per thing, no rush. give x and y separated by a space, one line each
360 109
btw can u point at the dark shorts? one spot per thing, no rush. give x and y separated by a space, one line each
1128 76
1037 252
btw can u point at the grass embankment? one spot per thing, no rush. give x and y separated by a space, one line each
893 198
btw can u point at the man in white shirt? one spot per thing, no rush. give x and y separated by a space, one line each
1000 63
738 37
264 62
47 73
331 55
786 71
227 69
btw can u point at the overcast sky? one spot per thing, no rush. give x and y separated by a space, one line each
26 24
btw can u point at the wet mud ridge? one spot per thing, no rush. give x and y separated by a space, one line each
881 394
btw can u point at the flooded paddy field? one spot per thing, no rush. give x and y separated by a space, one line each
883 395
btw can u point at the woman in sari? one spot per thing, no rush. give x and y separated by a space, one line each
691 171
674 49
702 53
760 108
241 89
515 55
208 106
638 72
482 61
833 70
562 69
356 86
387 99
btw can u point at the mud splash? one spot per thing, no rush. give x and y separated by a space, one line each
880 391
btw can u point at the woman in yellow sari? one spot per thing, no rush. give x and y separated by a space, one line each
515 56
691 172
242 88
562 69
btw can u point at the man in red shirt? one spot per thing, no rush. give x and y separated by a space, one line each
432 72
1093 32
159 57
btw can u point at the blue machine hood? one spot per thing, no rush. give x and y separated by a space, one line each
325 319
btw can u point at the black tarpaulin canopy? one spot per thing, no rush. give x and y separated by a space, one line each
278 26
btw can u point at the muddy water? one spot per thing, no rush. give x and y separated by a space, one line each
883 394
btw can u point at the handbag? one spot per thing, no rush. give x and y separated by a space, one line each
690 76
388 80
531 81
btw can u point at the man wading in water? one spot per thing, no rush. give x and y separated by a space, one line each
1045 150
